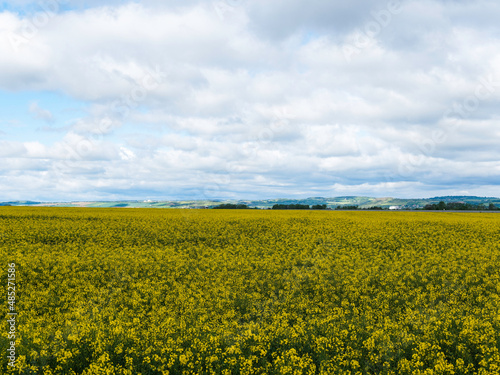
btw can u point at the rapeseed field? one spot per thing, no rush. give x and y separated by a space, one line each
145 291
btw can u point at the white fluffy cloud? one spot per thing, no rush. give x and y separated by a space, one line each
255 99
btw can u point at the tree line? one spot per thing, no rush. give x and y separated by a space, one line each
299 207
231 206
452 206
458 206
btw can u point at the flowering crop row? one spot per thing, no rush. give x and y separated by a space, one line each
145 291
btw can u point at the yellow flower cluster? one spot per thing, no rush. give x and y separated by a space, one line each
145 291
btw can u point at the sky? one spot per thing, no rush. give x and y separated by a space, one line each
248 99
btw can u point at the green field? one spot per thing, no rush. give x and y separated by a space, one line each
146 291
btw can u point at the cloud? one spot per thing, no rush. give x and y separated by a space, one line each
40 113
253 98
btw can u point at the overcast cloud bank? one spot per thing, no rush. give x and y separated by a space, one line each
249 99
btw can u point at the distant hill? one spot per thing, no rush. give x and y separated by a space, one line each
360 201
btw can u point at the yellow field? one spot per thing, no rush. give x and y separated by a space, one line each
139 291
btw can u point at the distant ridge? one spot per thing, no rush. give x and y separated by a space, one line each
461 197
360 201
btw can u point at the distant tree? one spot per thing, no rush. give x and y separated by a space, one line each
347 208
319 207
291 207
230 206
459 206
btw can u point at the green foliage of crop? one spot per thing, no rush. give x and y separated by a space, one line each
144 291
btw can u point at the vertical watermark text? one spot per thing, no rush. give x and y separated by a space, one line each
11 315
